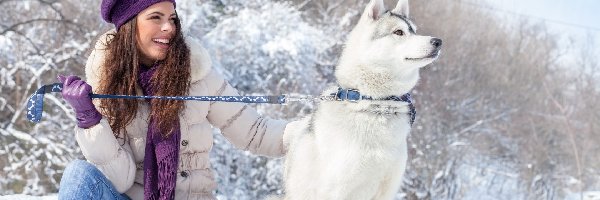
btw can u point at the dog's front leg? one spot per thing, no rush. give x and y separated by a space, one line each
344 180
392 182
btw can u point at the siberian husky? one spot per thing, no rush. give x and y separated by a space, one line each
354 146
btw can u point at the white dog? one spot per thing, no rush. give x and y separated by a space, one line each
354 147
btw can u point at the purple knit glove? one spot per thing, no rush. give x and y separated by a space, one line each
76 93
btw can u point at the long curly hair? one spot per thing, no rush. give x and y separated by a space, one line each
120 75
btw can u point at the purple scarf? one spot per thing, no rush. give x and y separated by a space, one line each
162 154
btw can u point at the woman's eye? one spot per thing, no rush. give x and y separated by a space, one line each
155 17
399 32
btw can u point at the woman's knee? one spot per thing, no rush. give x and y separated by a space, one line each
79 181
82 180
81 173
79 170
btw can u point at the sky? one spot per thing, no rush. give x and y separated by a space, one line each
582 12
568 18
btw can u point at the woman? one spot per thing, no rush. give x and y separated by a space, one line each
153 149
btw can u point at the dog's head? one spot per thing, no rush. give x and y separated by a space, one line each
383 52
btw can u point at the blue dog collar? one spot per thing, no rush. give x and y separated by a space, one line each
353 95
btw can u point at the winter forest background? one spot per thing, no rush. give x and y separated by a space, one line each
503 114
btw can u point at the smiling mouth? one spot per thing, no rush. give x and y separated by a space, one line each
431 55
164 43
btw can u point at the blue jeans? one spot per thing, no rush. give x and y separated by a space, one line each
82 180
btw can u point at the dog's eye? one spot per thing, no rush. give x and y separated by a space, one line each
399 32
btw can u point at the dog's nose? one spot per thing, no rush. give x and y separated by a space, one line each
436 42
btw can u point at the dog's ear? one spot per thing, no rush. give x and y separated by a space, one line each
401 8
375 9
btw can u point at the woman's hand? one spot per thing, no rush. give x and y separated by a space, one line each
77 93
294 129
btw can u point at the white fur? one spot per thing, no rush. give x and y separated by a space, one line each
347 150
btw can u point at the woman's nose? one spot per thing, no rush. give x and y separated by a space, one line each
167 27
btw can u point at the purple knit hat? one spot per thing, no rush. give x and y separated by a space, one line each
118 12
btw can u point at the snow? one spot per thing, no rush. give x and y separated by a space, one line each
28 197
588 195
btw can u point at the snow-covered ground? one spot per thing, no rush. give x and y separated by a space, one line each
27 197
590 195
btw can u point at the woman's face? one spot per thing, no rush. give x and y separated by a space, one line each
155 29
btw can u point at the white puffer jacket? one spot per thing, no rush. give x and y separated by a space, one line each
239 123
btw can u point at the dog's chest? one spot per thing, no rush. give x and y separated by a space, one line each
363 126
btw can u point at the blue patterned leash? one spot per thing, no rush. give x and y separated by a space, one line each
35 103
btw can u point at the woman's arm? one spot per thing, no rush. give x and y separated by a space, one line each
241 124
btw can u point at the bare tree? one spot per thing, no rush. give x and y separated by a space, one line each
41 39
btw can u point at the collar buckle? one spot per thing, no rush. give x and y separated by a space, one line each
351 95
